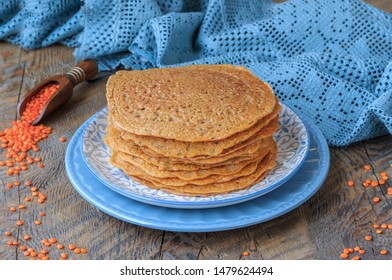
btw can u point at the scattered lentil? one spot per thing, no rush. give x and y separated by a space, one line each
367 167
64 255
344 255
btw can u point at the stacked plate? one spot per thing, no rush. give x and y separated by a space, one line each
302 166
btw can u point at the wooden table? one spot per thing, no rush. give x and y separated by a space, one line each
337 216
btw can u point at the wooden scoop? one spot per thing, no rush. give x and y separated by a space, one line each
83 71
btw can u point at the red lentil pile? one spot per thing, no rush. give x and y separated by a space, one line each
23 136
18 140
384 228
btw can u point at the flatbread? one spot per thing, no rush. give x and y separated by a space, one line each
191 103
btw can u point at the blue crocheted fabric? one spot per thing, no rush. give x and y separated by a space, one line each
330 59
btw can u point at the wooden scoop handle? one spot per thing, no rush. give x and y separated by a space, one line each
83 71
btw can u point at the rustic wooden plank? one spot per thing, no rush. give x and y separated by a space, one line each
11 77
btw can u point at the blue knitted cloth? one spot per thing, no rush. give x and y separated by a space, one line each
330 59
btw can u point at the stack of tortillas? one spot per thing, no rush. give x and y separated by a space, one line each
195 130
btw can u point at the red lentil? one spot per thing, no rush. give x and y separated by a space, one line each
344 255
37 222
376 199
368 238
367 167
8 233
62 139
384 252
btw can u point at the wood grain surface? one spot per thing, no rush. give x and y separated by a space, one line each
337 216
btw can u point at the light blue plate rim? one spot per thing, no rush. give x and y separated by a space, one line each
194 204
303 185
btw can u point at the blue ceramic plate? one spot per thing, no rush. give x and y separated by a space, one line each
293 144
290 195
